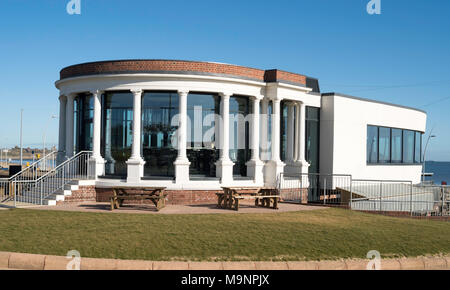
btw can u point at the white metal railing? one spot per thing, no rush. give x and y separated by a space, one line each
400 196
315 188
35 191
37 169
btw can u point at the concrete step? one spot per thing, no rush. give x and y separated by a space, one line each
65 192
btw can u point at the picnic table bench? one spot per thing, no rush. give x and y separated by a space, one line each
155 194
263 196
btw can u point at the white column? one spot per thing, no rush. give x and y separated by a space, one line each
276 133
302 139
224 166
290 133
265 142
255 166
97 160
136 163
275 166
297 131
69 125
62 129
182 162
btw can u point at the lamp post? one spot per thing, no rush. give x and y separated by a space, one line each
45 133
424 155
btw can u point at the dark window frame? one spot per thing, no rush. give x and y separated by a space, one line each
391 162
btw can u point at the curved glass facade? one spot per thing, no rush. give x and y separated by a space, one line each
202 152
117 133
159 148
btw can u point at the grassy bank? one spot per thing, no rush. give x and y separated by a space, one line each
308 235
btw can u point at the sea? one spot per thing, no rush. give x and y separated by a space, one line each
440 170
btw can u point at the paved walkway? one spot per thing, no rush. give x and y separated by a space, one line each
175 209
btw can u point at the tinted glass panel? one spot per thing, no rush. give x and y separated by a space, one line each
384 145
159 132
239 134
372 144
396 145
117 132
408 146
312 138
202 129
418 148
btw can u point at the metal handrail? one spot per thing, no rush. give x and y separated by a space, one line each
64 163
36 190
33 165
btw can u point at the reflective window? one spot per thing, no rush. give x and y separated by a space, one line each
418 148
117 132
84 122
408 146
384 145
239 134
312 138
159 148
202 110
396 146
390 145
372 144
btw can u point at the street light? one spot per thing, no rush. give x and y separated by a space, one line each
424 154
45 133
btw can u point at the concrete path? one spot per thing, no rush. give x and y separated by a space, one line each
175 209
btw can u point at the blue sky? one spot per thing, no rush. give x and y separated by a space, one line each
401 56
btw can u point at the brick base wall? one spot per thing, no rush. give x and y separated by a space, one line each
84 193
296 193
175 197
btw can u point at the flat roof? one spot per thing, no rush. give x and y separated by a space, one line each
371 101
182 67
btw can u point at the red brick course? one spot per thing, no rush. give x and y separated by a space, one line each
145 66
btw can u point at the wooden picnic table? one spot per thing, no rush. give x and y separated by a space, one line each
263 196
155 194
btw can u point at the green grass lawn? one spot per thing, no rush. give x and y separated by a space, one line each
307 235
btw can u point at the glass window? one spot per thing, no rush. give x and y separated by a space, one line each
408 146
418 148
202 110
239 134
396 146
158 132
117 132
83 122
312 138
372 144
384 145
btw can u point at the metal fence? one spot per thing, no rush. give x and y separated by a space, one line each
315 188
35 191
400 197
365 195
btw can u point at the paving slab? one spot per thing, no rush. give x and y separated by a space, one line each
205 266
26 261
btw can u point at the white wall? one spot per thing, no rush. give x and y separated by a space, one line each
344 150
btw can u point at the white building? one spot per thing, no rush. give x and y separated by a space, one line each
205 125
